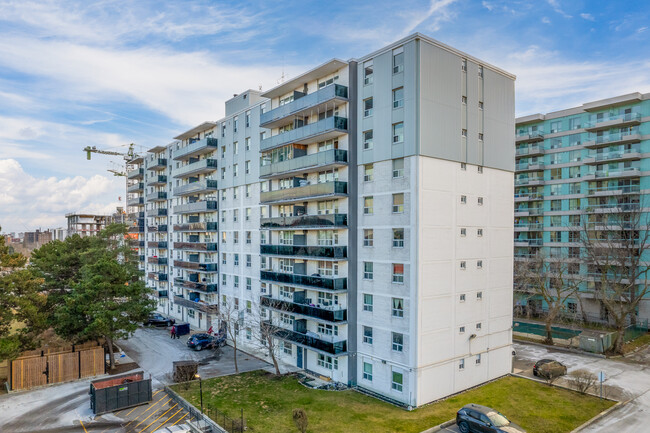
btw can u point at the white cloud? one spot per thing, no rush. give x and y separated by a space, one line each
641 30
546 20
588 17
555 4
438 12
28 202
488 6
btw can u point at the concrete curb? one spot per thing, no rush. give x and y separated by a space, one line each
560 348
440 427
601 415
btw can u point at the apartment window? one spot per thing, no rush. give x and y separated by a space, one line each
223 130
463 265
247 167
235 148
236 259
398 273
398 132
235 284
480 201
367 371
463 132
286 319
479 264
223 215
368 240
223 173
574 172
249 260
367 172
367 302
235 237
398 203
367 107
235 215
575 123
555 127
463 232
480 71
556 189
262 238
235 170
556 173
479 232
367 139
398 60
461 364
398 97
249 306
367 205
235 190
224 261
223 151
249 237
367 334
461 330
248 120
556 205
479 296
462 297
463 166
478 359
478 326
574 204
368 72
190 313
398 342
398 238
463 65
235 120
480 105
248 213
327 362
367 270
249 285
479 169
248 191
463 99
463 199
480 136
397 381
398 307
224 237
223 283
398 168
287 348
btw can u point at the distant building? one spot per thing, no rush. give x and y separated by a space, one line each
37 237
59 234
85 224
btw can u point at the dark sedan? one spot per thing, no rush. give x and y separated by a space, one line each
202 341
482 419
159 320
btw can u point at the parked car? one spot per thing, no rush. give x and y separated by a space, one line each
158 320
203 341
549 368
477 418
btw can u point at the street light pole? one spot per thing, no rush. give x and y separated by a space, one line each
201 388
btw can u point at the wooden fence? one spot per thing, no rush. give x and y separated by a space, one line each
47 368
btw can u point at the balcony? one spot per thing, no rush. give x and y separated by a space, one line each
612 139
199 206
136 229
527 211
528 242
337 314
303 251
159 180
196 266
138 173
526 196
203 186
196 227
195 285
613 190
530 150
136 187
141 258
157 164
530 136
612 207
529 181
613 174
196 246
317 190
529 166
614 156
619 121
157 276
162 293
157 260
157 196
303 105
332 157
135 201
524 227
202 166
160 212
162 245
199 147
327 283
317 131
305 222
199 306
303 339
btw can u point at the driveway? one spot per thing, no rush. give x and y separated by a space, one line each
155 352
623 381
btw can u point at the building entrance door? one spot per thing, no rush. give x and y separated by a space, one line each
299 357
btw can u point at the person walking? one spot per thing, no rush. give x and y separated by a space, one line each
173 332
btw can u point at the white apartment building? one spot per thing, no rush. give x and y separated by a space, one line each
364 208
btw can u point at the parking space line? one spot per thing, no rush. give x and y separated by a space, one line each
158 418
179 420
136 418
150 415
169 419
82 425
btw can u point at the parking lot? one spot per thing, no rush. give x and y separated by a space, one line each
161 412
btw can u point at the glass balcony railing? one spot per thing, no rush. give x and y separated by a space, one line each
621 172
618 154
331 315
157 196
135 201
325 252
198 167
157 164
531 210
305 192
199 147
605 190
305 221
157 180
162 245
306 133
194 285
315 160
196 266
196 246
199 206
528 180
529 136
157 260
530 150
529 226
323 95
309 341
617 137
613 120
135 174
196 227
199 306
207 185
136 187
330 283
157 276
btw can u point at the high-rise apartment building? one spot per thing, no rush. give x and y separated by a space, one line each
363 208
580 170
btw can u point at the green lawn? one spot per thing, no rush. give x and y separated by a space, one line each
636 343
268 403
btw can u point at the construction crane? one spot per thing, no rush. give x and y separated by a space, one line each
128 155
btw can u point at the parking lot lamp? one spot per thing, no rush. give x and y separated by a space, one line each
201 388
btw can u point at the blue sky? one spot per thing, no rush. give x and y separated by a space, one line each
108 73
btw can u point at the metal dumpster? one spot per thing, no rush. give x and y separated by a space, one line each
119 392
182 329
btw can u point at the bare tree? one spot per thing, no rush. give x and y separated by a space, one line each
614 243
551 279
267 321
230 321
582 380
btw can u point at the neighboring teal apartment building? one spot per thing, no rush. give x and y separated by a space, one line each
572 165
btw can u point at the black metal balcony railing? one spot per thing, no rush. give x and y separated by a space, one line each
315 160
203 186
305 192
336 91
306 340
328 283
196 266
196 246
198 167
199 206
157 164
157 260
160 245
326 252
160 212
200 306
306 134
202 286
157 180
196 227
338 315
135 174
157 276
158 228
163 293
305 221
204 145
